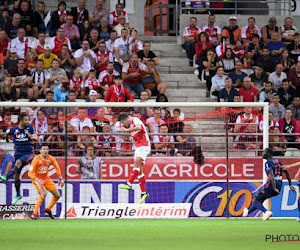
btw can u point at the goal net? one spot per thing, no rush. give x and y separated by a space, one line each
204 154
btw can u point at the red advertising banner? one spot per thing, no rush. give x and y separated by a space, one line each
174 168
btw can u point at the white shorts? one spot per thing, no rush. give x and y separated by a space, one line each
142 152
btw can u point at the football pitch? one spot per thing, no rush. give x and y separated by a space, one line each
147 234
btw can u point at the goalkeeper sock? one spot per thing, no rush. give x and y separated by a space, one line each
257 205
142 182
14 170
52 203
135 172
38 203
18 186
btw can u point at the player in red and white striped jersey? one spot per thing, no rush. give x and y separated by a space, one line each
138 131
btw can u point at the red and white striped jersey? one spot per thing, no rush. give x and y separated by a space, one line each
113 17
191 32
107 79
212 32
141 137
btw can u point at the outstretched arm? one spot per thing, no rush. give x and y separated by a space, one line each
294 165
287 173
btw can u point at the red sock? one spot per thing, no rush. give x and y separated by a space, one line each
133 175
142 182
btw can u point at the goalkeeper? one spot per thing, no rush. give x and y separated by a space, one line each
41 180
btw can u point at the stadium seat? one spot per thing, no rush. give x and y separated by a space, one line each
41 100
80 100
23 100
100 100
248 71
137 100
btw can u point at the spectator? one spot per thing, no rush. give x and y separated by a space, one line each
164 144
92 83
198 7
132 74
8 92
240 53
295 108
61 93
201 48
266 31
85 139
41 79
6 122
12 28
77 84
67 61
248 93
277 142
21 43
289 125
243 119
41 125
117 92
213 30
294 76
26 17
103 57
72 32
218 82
81 121
266 92
190 35
5 19
237 75
107 142
97 12
146 54
38 46
294 47
71 111
92 111
151 80
85 59
99 120
210 64
228 61
176 125
233 31
154 122
277 76
6 162
85 31
125 146
106 78
251 141
3 44
94 39
254 50
286 93
288 30
57 41
187 141
249 30
121 25
10 63
57 75
80 13
258 77
47 57
104 29
50 112
111 41
286 61
276 108
121 48
90 164
275 46
54 141
228 92
267 61
58 18
272 123
113 16
38 17
136 44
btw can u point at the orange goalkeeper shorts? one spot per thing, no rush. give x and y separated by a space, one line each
49 184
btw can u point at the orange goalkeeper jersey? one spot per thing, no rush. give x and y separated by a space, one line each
40 167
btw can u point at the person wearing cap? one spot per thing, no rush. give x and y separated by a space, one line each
233 31
267 30
47 57
92 111
117 92
249 30
61 93
21 43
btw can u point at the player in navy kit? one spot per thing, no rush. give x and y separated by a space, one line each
23 137
272 187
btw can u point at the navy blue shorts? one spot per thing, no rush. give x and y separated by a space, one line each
265 193
25 158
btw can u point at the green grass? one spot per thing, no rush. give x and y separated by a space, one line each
146 234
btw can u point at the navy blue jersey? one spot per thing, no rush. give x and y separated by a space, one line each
21 139
274 165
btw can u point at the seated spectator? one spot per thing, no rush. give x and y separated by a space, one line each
50 112
57 41
92 111
104 29
175 125
266 92
21 43
80 13
266 31
272 123
99 120
164 144
57 75
289 125
26 17
275 47
240 53
85 139
237 75
276 108
121 25
31 61
71 141
254 50
3 44
153 123
277 142
5 18
94 40
151 80
199 7
121 48
91 83
61 93
12 28
58 18
85 31
288 30
125 146
110 43
258 77
213 30
228 93
286 61
119 11
6 122
228 61
250 142
41 79
72 32
71 111
40 124
117 92
201 48
67 61
187 141
294 76
248 93
22 81
247 117
77 84
97 12
8 92
294 47
295 108
190 35
132 74
146 54
81 121
233 31
106 78
85 59
210 64
47 57
38 17
218 82
249 30
221 48
107 142
55 142
103 57
266 61
277 76
286 93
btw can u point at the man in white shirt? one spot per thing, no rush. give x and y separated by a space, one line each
121 47
277 76
81 120
21 43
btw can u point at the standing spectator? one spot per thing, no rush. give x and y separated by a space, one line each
4 44
11 62
12 28
249 30
106 78
146 54
80 13
294 76
266 92
210 64
276 108
110 43
213 30
50 112
8 92
38 46
267 61
38 18
94 39
67 61
248 93
77 85
154 122
286 93
113 16
218 82
61 93
47 57
121 47
72 32
97 12
233 31
57 41
190 35
40 78
228 61
99 120
104 29
201 48
26 17
277 76
237 75
103 57
57 75
295 108
58 18
21 43
286 61
258 77
227 94
294 47
117 92
288 30
266 31
275 46
254 50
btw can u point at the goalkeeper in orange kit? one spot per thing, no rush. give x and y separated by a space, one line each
41 180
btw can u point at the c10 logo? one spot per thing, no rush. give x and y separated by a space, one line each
210 199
